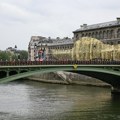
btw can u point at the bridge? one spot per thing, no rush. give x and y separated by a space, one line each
106 71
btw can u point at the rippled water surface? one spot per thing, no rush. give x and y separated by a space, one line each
28 100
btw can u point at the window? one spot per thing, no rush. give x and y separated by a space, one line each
76 36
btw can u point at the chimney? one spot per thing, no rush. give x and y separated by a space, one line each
81 26
49 38
118 19
58 38
84 25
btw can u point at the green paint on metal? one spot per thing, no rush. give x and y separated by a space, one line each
53 68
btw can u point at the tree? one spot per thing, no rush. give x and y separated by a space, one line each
16 55
23 55
5 55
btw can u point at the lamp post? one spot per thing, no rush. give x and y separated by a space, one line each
15 52
35 46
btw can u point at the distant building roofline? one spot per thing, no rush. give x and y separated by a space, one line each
86 27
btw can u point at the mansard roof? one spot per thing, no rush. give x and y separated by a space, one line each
62 41
86 27
54 42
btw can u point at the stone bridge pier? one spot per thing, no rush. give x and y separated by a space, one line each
112 77
115 90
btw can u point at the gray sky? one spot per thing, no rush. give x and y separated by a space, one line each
21 19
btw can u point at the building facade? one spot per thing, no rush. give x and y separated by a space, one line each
42 48
108 32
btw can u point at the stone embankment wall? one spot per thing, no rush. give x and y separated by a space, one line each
67 78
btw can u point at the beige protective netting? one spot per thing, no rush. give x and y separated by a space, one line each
90 48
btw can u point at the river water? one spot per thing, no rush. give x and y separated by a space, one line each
28 100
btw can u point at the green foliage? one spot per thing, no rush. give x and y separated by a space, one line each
23 55
5 55
10 56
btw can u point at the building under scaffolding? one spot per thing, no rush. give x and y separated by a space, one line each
88 48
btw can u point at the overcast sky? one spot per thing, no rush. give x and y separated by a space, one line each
21 19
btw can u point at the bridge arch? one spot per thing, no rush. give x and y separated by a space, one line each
3 74
22 71
108 76
12 72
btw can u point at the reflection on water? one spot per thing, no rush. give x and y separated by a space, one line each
28 100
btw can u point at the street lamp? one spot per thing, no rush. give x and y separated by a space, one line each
15 51
35 46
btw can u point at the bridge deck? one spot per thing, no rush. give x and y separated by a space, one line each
64 65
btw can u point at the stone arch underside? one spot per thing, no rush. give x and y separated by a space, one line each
105 77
